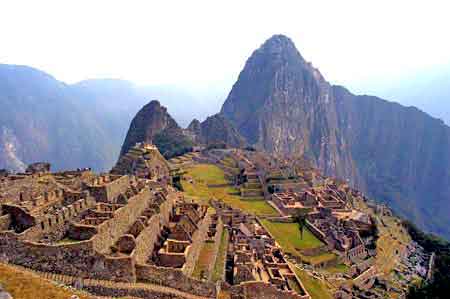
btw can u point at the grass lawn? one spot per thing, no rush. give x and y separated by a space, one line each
339 268
26 285
316 288
205 174
288 235
210 174
219 267
204 260
320 258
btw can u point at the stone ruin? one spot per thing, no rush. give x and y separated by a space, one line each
254 260
108 227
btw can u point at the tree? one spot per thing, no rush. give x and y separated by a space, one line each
300 219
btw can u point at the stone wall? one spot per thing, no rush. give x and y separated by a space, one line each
146 240
110 230
108 191
174 278
261 290
5 222
198 239
118 186
77 259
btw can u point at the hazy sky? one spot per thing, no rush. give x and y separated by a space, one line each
206 43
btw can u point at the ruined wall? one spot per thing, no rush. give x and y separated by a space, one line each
118 186
198 240
76 259
116 292
110 190
81 232
174 278
110 230
146 240
54 227
261 290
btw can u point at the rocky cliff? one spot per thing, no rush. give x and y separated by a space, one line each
282 104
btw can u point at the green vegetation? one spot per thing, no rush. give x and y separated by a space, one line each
439 287
316 288
339 268
206 174
288 236
221 257
172 143
204 260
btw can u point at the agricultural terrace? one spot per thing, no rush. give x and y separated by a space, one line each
200 183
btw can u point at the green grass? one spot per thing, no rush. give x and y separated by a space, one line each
204 260
316 288
320 258
289 238
219 267
288 235
207 174
210 174
339 268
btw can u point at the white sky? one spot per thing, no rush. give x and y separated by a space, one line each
204 43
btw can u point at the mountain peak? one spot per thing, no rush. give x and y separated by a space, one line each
151 120
281 46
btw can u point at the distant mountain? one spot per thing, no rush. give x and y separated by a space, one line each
41 120
427 89
79 125
399 155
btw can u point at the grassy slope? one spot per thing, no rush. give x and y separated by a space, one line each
25 285
316 288
220 261
204 260
206 174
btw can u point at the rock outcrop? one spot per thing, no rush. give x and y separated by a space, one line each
397 154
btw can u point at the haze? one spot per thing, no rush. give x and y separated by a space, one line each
204 44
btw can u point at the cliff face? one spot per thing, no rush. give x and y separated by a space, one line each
400 155
216 129
153 124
